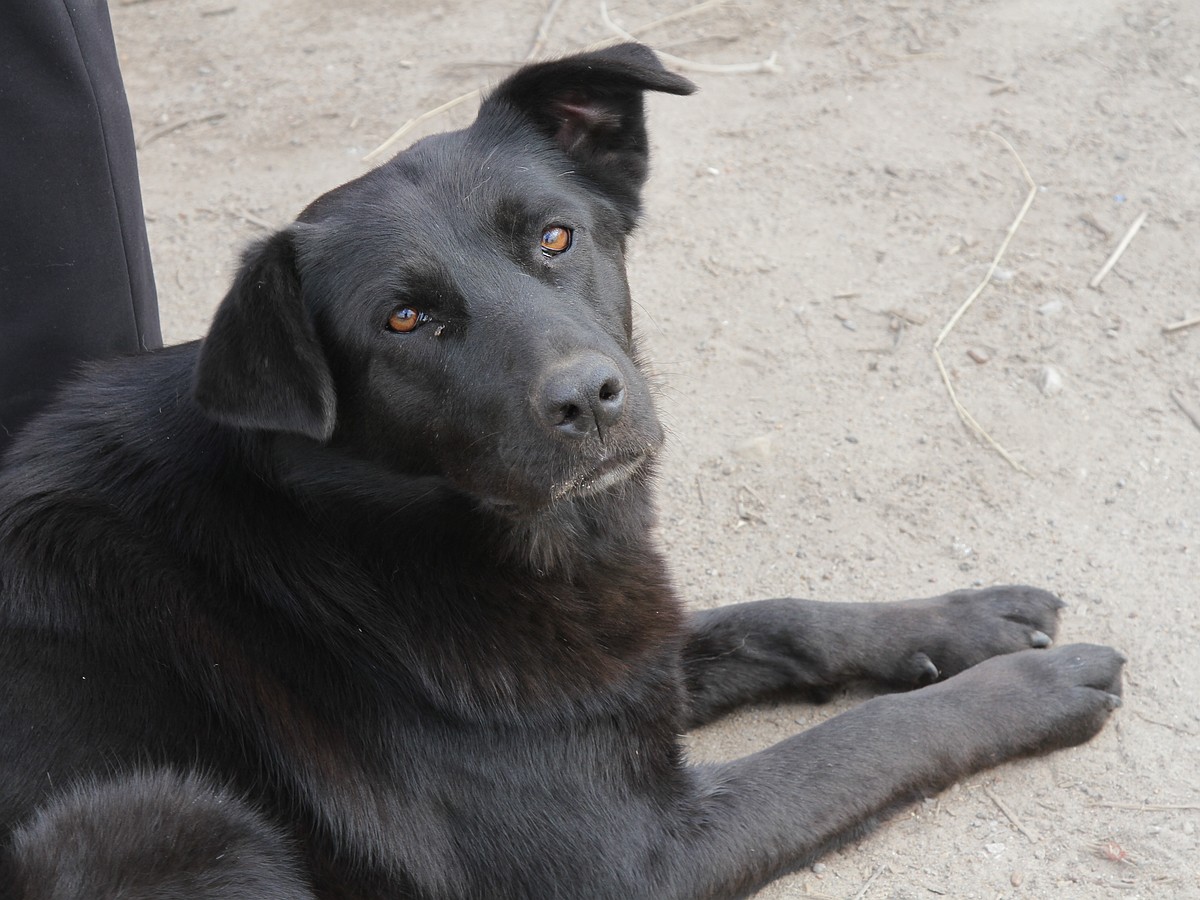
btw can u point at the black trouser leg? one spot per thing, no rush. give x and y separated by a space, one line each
75 275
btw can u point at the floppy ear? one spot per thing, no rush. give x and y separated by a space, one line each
261 365
590 105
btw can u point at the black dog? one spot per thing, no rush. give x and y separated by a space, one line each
357 598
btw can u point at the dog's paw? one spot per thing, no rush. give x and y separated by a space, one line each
1039 701
945 635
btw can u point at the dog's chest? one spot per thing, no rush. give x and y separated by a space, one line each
462 718
428 799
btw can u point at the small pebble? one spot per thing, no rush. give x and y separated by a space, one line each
818 868
1189 827
755 448
1051 307
1050 381
979 357
1016 879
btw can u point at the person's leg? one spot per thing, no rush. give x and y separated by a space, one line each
75 275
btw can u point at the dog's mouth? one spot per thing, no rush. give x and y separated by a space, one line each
610 471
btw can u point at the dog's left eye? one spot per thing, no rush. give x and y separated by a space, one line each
556 239
405 319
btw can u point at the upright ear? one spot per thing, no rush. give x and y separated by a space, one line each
261 365
590 105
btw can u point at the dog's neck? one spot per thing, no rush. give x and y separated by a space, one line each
538 573
558 540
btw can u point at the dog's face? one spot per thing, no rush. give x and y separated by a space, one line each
472 303
462 311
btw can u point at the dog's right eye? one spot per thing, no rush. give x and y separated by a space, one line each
556 239
405 319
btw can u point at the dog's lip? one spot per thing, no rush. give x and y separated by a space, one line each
611 470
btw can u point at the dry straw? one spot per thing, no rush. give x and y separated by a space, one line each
963 413
539 43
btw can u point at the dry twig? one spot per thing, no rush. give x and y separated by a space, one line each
1116 254
1189 409
1010 815
175 126
1148 807
862 892
1175 728
543 30
412 123
767 65
963 414
682 14
1182 324
1090 220
246 216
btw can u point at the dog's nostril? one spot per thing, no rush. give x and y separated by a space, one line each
610 402
611 390
570 413
583 397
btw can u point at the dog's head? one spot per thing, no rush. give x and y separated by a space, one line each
462 311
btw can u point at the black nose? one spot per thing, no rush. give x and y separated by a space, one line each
583 397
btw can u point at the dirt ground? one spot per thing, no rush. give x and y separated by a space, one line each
808 233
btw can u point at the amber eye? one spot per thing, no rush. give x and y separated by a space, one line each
556 239
404 319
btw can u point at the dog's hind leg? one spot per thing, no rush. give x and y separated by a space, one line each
156 836
753 651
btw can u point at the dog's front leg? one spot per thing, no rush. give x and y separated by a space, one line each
779 809
751 651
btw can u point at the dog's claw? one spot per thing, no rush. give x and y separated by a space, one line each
927 672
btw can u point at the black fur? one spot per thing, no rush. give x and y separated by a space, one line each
394 593
157 836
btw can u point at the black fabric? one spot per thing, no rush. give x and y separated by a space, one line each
75 276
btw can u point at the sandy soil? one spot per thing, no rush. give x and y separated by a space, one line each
808 234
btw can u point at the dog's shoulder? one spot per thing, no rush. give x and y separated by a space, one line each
106 478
